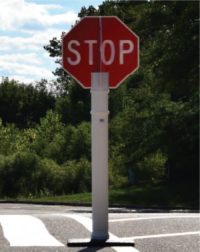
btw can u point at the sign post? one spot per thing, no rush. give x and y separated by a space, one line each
99 112
100 59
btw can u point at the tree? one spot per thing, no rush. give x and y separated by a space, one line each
63 79
170 46
74 107
22 104
153 109
90 11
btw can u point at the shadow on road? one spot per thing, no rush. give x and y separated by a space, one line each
89 249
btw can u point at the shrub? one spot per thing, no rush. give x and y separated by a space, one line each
19 174
77 176
117 178
152 167
51 177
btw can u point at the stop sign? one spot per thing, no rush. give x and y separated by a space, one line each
100 45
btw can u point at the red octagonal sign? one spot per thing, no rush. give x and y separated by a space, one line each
100 45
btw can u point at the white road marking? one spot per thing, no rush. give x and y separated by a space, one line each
26 230
162 235
154 217
87 223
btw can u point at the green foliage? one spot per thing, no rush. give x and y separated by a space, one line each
117 176
45 137
49 140
81 141
90 11
8 139
23 104
169 46
27 174
49 159
182 141
61 143
137 131
51 177
77 176
152 167
74 107
18 174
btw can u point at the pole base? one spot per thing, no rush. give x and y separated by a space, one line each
100 243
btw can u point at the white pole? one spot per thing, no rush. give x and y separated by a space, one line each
99 112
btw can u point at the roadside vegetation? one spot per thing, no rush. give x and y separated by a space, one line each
153 195
45 142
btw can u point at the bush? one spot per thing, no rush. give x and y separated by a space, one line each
77 142
77 176
51 178
117 178
8 139
152 167
25 174
19 174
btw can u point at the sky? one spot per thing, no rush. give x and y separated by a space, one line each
25 27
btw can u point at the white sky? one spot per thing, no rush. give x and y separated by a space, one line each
25 27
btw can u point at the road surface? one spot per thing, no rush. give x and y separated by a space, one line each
41 228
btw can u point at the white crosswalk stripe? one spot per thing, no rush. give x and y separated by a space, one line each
26 230
30 231
51 231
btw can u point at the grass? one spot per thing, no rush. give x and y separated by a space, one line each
152 195
157 195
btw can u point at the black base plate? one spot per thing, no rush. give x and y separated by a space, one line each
100 243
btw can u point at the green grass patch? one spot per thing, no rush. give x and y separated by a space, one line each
152 195
157 195
80 198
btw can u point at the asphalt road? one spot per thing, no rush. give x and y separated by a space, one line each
40 228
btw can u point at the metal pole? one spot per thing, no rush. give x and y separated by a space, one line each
99 112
